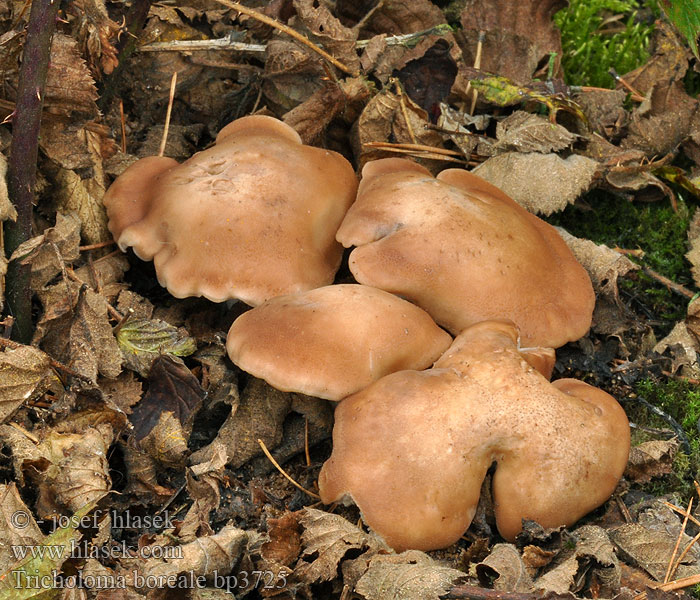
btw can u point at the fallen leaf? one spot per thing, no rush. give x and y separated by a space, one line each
171 388
411 574
258 414
605 111
24 374
519 36
143 340
525 132
98 34
651 459
682 346
284 543
505 570
19 527
326 539
542 183
7 210
693 254
166 442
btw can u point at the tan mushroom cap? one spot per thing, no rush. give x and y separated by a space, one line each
253 217
333 341
412 449
464 251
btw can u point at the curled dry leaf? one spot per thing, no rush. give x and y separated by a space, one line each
171 388
506 569
525 132
411 574
693 254
519 36
682 345
284 539
24 374
204 556
258 414
651 459
326 539
604 111
593 554
166 442
70 469
384 119
142 340
604 265
48 253
98 35
542 183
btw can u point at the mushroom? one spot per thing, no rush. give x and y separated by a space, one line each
253 217
333 341
464 251
413 448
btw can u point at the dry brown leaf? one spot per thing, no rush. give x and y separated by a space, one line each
292 75
525 132
329 32
204 556
7 210
605 111
70 89
542 183
519 36
98 35
166 442
142 473
384 120
505 568
19 527
203 483
311 118
24 374
535 558
693 254
327 538
604 265
649 543
594 554
660 123
411 574
651 459
682 345
84 195
258 414
284 543
48 253
71 469
83 338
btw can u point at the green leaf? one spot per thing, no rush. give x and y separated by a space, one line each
30 578
685 15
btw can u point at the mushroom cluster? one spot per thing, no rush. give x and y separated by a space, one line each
421 417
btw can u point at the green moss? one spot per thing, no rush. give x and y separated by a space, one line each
653 228
681 401
598 35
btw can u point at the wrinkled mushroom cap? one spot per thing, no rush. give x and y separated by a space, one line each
412 449
464 251
333 341
251 218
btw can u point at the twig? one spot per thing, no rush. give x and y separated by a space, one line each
228 43
419 147
289 31
473 592
122 119
672 423
280 469
680 511
306 442
477 65
171 99
28 434
671 562
587 88
624 84
671 285
679 584
96 246
24 151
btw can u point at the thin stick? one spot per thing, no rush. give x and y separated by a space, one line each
289 31
171 99
678 542
280 469
588 88
123 123
680 511
24 432
477 65
430 155
671 285
679 560
306 442
420 147
96 246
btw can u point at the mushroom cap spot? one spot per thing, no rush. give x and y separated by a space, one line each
464 251
412 449
333 341
252 217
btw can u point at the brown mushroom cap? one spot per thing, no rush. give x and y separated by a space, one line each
464 251
251 218
412 449
333 341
